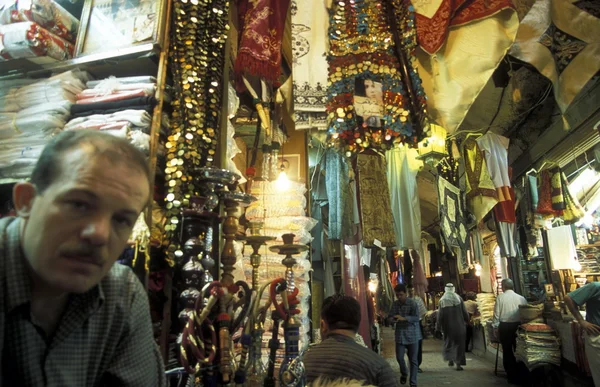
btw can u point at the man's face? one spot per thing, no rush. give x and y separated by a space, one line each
75 230
401 296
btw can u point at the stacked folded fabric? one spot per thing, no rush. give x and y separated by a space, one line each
485 305
119 106
537 344
31 112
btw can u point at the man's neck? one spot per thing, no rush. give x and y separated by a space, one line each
345 332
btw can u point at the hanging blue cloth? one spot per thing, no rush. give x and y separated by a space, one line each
337 182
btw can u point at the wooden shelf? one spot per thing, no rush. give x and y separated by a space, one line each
118 62
587 246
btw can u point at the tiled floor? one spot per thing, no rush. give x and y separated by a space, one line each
477 373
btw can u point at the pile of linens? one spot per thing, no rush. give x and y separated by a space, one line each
31 112
36 28
119 106
537 344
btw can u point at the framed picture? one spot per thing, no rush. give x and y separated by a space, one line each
108 25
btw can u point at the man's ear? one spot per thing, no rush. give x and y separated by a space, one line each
23 197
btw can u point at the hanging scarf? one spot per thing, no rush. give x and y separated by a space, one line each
450 298
419 279
262 23
558 198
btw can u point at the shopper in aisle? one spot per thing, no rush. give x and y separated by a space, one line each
506 321
422 313
452 321
589 295
69 316
405 313
471 306
339 356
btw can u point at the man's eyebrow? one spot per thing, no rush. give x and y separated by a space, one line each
79 191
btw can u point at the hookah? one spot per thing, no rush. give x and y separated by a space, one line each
252 336
291 373
206 340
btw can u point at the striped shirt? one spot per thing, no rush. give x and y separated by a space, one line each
407 332
340 356
104 337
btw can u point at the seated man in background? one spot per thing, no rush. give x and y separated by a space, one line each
69 316
339 356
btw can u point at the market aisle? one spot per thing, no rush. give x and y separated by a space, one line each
437 373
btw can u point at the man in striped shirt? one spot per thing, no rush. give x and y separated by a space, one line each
339 356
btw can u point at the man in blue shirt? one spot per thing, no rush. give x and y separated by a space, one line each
405 313
590 296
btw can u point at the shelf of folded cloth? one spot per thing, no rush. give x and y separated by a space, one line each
137 59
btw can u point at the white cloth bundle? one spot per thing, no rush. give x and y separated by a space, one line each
123 81
41 119
140 119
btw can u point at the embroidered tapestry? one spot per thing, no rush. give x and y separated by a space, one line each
374 201
452 219
310 21
561 38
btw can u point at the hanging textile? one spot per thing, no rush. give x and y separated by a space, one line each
481 191
355 286
402 169
533 189
560 39
419 279
452 219
374 201
573 210
369 103
385 290
261 23
561 248
558 198
506 239
337 180
545 197
310 21
505 210
456 59
407 273
495 148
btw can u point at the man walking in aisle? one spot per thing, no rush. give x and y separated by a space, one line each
70 316
405 313
590 296
422 313
506 321
339 356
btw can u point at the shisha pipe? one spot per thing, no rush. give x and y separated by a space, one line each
276 287
291 373
251 342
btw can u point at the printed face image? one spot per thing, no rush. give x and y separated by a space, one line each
368 101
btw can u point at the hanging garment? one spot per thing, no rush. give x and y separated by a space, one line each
495 148
402 169
505 236
262 25
452 218
456 63
533 189
505 211
560 39
481 191
337 184
419 279
310 21
374 201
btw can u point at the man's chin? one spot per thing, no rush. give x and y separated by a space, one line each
75 283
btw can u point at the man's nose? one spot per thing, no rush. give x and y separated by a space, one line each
97 230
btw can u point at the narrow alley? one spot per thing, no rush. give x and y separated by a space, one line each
478 372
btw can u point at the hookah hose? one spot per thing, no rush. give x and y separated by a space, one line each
277 286
246 340
193 340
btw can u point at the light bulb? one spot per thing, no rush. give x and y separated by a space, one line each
282 183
